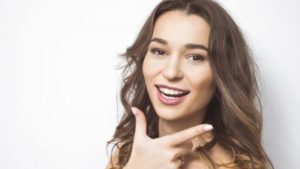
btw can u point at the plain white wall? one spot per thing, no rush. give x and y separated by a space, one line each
59 84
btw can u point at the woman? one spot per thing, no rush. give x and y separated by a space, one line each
189 93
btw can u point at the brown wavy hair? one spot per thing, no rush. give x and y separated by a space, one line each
235 109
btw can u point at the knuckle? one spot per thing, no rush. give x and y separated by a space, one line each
170 154
176 153
172 164
187 145
209 137
201 143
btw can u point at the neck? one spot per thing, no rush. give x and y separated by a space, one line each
167 127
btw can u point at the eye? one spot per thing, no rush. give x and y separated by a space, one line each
196 58
158 51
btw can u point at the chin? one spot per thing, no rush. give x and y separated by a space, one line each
169 113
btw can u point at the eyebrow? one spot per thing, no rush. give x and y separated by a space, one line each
188 46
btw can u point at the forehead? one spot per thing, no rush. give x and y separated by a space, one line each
179 28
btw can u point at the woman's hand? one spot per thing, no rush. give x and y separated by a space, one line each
165 152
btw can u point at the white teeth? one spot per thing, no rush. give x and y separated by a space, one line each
170 91
169 97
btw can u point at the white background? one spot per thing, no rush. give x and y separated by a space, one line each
59 83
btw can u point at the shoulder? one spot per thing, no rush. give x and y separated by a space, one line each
217 153
222 156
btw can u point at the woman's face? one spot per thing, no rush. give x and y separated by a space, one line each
176 68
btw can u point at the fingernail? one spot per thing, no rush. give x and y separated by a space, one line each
208 127
133 111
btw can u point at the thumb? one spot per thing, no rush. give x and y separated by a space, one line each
140 123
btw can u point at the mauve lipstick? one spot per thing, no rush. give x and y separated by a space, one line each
170 101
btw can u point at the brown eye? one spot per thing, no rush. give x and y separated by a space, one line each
196 58
158 51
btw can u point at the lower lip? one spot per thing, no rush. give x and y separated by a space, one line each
167 101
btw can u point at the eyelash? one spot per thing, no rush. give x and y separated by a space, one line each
158 51
154 50
199 58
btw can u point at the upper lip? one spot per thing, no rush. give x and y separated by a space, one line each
174 88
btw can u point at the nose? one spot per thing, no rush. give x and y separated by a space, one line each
172 70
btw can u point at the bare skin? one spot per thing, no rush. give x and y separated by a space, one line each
171 61
169 148
177 57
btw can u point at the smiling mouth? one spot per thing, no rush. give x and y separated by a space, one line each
171 92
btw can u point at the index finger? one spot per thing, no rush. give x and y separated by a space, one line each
187 134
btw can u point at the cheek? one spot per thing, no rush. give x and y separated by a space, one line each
146 69
203 82
150 68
